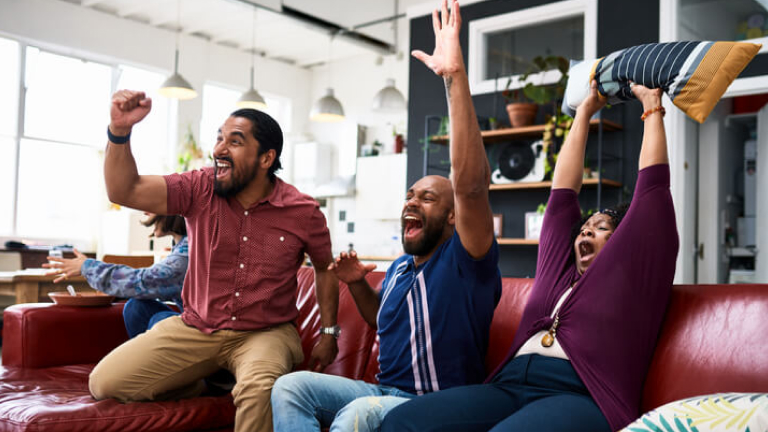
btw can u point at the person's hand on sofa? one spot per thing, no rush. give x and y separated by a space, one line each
349 269
65 267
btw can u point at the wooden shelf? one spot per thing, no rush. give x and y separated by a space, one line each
548 184
499 135
516 241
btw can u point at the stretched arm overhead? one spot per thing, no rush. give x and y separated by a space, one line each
124 184
569 169
654 147
470 173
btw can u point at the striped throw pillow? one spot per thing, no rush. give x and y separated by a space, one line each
693 74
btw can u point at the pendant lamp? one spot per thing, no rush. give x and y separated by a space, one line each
176 87
252 98
389 100
327 108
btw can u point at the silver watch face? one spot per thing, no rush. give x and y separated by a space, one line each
333 331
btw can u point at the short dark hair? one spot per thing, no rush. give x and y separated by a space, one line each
173 224
267 132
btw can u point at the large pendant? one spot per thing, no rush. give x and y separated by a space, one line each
547 340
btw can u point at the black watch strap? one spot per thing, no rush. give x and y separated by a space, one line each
117 139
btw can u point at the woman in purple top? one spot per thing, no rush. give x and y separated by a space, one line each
589 329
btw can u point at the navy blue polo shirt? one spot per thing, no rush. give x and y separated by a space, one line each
434 320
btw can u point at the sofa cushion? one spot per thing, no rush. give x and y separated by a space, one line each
57 399
723 412
506 319
356 336
710 342
39 335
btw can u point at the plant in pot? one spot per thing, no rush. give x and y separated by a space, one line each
523 102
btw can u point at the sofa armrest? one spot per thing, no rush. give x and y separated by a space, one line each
39 335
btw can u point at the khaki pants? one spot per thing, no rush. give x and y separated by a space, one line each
168 362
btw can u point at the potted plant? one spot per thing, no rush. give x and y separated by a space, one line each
523 102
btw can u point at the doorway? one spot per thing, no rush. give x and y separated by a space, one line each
732 149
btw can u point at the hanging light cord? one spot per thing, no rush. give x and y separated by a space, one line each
253 47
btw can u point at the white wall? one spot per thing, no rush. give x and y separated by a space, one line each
73 30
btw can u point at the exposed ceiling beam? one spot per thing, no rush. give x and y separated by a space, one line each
135 7
89 3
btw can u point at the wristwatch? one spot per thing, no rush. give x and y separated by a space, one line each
334 331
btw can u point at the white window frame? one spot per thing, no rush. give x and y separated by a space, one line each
526 18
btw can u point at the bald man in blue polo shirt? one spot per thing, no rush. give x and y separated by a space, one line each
434 311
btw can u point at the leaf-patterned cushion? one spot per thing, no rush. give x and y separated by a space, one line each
721 412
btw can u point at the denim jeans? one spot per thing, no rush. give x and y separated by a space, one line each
141 315
531 393
307 401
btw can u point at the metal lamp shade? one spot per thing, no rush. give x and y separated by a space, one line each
327 109
389 99
176 86
252 99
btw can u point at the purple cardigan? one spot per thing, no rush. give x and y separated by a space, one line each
610 323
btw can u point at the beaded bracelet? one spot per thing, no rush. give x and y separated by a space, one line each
653 110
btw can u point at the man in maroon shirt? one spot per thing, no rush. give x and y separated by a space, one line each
248 234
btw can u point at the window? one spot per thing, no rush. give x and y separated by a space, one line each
9 106
724 20
503 46
52 174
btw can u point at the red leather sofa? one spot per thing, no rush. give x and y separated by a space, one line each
711 342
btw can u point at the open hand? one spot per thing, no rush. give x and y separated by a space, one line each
594 101
447 58
128 108
349 269
65 267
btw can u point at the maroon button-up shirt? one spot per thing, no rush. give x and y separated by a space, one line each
243 262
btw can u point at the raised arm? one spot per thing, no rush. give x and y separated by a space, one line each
569 169
654 147
124 184
470 173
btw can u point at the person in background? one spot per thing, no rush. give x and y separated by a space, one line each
434 311
147 289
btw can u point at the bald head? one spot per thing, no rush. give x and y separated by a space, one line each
438 185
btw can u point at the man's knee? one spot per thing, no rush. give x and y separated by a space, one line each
103 386
362 414
291 385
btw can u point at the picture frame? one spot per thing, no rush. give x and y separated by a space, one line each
498 224
533 221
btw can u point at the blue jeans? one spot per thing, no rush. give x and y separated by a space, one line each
531 393
307 401
141 315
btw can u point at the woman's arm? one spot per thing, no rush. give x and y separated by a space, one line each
654 147
569 169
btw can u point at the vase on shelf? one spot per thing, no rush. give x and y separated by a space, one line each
522 113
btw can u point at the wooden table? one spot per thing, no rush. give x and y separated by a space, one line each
33 288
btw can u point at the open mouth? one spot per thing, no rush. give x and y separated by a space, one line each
223 168
586 251
412 226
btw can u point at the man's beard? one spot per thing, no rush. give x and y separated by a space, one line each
238 183
431 234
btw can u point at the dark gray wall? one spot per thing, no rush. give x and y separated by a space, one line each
427 98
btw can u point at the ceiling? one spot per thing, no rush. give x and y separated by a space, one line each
298 32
